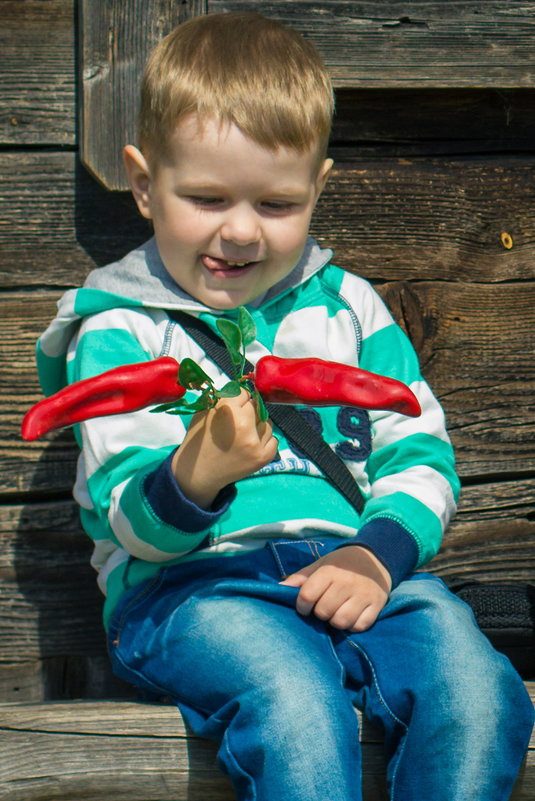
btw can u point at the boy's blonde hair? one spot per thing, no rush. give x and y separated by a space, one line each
239 68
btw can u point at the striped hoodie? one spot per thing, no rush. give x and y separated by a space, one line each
131 505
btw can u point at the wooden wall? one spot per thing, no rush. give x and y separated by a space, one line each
432 199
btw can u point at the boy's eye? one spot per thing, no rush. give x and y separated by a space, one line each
205 201
272 206
278 205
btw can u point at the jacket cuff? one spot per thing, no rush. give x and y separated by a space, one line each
168 502
392 545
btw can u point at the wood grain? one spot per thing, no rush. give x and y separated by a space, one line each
396 44
413 218
37 64
134 752
439 122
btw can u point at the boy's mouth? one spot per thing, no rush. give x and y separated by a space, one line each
215 265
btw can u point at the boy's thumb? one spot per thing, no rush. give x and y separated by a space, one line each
297 579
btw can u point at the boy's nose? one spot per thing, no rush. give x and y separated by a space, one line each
241 226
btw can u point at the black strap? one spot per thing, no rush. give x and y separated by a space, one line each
288 419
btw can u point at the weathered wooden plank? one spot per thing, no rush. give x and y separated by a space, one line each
160 729
93 750
431 218
61 677
37 64
388 219
22 681
22 466
97 767
476 347
116 718
38 108
491 538
420 122
114 47
158 758
404 44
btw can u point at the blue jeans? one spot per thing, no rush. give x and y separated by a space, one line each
222 637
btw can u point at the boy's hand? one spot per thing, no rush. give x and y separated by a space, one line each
347 588
221 446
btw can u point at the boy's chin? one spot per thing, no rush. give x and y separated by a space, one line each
227 300
229 305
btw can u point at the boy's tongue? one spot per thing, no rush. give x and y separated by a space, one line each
212 263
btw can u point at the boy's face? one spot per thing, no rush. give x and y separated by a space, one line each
230 216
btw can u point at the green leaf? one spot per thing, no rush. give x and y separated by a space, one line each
230 390
231 334
164 407
190 375
233 340
247 326
199 404
261 408
204 401
181 410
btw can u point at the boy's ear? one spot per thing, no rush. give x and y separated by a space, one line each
323 175
139 178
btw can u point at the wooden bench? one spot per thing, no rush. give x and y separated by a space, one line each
95 750
431 199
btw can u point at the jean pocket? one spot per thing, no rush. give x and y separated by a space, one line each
292 555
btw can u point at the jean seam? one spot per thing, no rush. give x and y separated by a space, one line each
277 559
395 771
388 710
376 682
342 667
230 754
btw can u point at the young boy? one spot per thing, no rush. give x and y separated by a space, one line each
238 581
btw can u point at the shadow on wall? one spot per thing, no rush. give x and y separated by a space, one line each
107 224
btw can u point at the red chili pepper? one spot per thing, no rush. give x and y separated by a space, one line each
123 389
322 383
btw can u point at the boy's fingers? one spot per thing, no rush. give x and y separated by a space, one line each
350 614
313 588
347 616
366 619
327 594
243 398
297 579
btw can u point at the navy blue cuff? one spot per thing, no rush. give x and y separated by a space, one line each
167 501
392 545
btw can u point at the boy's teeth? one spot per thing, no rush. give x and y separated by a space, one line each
237 263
